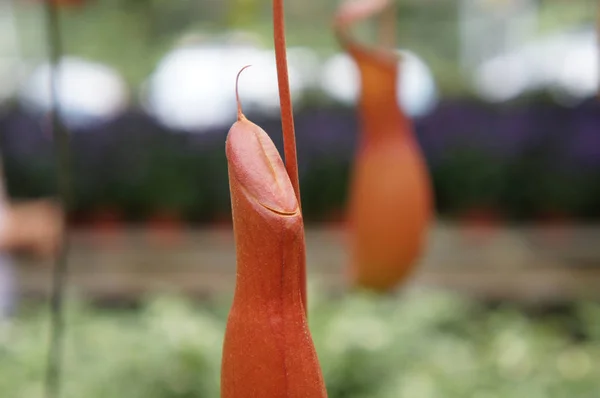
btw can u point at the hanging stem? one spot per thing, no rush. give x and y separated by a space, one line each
285 98
387 26
287 125
61 145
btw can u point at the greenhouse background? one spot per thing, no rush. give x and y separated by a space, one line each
503 95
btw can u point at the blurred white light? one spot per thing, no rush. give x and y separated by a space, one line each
565 63
417 93
501 79
340 79
193 88
10 77
306 62
87 92
578 73
181 92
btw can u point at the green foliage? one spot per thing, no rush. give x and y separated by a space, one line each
420 345
556 15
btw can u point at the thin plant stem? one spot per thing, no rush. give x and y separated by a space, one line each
285 97
387 28
61 145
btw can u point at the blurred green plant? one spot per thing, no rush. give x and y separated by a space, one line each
424 344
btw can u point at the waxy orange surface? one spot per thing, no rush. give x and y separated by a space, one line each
268 351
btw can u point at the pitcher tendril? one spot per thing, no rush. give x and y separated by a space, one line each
240 114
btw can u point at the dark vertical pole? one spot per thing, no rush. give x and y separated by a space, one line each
61 145
598 44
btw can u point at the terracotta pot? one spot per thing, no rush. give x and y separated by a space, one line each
480 224
107 226
165 228
222 227
555 224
